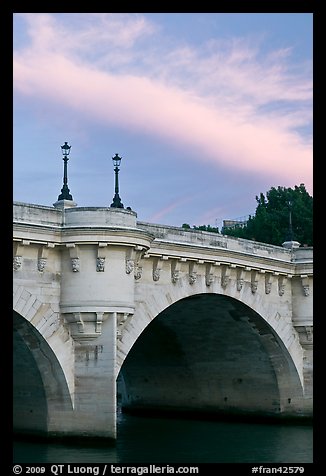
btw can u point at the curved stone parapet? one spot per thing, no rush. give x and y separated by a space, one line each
100 216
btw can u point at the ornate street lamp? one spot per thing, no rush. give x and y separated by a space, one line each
290 242
65 195
116 199
290 229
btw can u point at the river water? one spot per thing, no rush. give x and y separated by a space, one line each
175 440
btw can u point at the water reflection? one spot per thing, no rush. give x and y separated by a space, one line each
172 440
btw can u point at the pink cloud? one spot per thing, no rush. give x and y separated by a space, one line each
231 133
166 210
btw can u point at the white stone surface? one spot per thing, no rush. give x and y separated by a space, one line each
90 317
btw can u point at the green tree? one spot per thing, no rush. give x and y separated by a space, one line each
212 229
271 223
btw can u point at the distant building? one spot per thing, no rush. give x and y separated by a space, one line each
236 222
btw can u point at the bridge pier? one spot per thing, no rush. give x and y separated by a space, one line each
97 292
94 400
43 403
302 317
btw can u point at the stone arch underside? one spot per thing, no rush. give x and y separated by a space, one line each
210 354
40 389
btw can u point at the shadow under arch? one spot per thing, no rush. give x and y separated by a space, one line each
39 384
210 355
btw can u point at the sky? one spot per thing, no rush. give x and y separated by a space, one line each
207 110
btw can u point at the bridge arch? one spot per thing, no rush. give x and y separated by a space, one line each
157 299
42 313
40 390
208 352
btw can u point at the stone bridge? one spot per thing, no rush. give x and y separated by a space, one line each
164 318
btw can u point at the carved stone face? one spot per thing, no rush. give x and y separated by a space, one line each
75 264
129 266
224 281
281 289
268 288
175 276
192 278
41 263
254 286
209 279
306 290
138 272
100 264
17 262
240 283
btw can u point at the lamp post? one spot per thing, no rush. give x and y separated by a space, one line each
65 195
116 199
290 243
290 230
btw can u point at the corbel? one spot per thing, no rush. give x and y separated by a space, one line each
305 284
253 281
133 256
42 256
225 275
157 268
18 254
17 262
101 255
79 321
192 272
121 319
309 333
305 335
74 256
209 275
281 284
268 283
98 322
138 271
240 278
175 270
